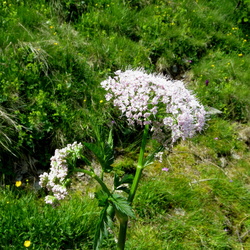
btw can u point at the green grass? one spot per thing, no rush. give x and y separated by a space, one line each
25 217
53 56
197 204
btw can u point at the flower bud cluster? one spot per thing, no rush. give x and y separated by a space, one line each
56 180
154 99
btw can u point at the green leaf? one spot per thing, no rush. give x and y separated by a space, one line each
104 154
122 205
102 198
102 226
127 178
110 139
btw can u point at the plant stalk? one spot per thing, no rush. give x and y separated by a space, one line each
140 165
122 233
139 168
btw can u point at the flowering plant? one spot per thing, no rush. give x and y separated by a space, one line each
156 100
164 108
58 180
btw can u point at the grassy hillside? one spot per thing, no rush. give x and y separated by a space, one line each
53 56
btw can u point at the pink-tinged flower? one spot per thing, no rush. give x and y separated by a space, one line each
165 169
157 100
216 138
55 181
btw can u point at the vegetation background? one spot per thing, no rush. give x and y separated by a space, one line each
53 56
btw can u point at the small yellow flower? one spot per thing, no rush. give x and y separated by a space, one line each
228 63
27 243
84 100
18 183
212 65
54 33
244 40
240 54
101 101
7 202
51 27
55 43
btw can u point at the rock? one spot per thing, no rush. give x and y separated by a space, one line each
244 135
223 162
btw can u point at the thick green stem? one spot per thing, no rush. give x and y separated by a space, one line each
93 175
139 168
122 233
140 165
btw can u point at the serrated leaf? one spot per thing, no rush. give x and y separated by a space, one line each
104 155
101 228
102 198
104 223
122 205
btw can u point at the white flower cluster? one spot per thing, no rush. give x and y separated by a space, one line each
56 180
154 99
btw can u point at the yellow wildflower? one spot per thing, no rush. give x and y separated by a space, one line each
51 27
244 40
101 101
55 43
18 183
27 243
240 54
212 65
